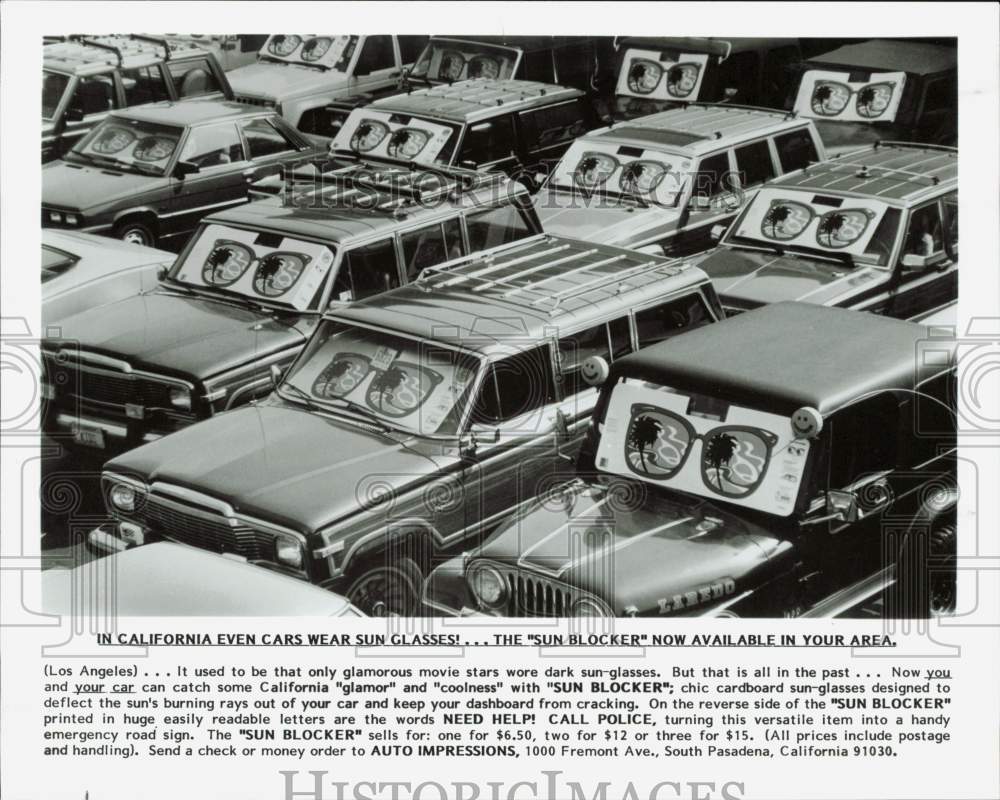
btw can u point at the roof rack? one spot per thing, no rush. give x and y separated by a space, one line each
761 109
467 92
864 171
157 40
81 39
915 146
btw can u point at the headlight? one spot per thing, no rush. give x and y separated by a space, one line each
407 143
594 169
644 76
55 216
681 79
590 607
72 219
123 497
180 398
369 135
488 586
874 99
288 551
829 98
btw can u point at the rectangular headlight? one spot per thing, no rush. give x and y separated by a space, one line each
288 551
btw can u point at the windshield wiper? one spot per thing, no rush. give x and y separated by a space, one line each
302 394
367 413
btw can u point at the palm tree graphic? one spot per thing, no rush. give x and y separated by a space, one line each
721 448
645 431
387 383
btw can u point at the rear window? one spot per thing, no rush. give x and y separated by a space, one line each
795 150
497 226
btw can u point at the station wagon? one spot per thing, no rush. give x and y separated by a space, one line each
411 422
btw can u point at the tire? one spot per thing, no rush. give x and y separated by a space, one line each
943 577
388 590
135 231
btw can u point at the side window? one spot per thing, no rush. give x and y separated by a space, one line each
515 386
934 422
925 235
660 322
213 146
410 47
712 176
488 141
754 163
621 337
863 440
597 341
497 226
376 54
950 203
367 271
263 139
429 246
795 150
323 121
144 85
192 78
94 95
554 125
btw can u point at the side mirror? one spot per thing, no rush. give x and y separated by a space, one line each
161 273
467 164
842 506
184 168
74 115
276 374
718 231
469 444
914 262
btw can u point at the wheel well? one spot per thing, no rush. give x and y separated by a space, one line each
147 218
416 544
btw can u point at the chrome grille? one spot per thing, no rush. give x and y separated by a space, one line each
532 595
106 387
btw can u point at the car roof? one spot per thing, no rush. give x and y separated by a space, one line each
370 198
893 55
186 112
697 128
169 579
713 45
475 99
898 173
84 56
787 355
525 289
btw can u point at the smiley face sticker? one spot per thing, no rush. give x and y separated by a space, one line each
806 423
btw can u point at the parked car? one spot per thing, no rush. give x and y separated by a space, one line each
880 89
875 230
720 485
662 182
507 126
299 75
657 73
411 422
148 175
248 290
82 271
175 580
86 78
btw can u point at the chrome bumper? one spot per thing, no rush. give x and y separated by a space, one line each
104 540
71 423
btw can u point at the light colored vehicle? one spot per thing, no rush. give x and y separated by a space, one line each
81 271
232 50
664 181
300 74
167 579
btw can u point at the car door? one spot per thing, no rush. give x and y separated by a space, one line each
715 196
931 240
430 245
376 66
490 146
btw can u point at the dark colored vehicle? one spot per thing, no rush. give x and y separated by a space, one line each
506 126
656 73
875 230
411 422
148 175
86 78
880 89
719 485
246 292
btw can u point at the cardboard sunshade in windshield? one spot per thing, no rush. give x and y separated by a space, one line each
661 74
824 94
397 136
331 52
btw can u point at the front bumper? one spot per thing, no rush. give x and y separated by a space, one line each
108 538
96 434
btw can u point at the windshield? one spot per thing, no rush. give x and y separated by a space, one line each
416 386
265 267
661 74
453 60
130 144
326 52
862 228
831 94
53 88
601 167
703 446
396 136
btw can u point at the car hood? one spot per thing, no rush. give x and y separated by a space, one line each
566 214
281 463
749 278
184 336
278 82
83 187
637 552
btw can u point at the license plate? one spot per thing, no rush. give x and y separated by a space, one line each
89 437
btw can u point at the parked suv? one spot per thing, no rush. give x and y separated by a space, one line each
720 485
657 73
411 422
875 230
663 181
299 75
86 78
502 125
148 175
248 290
880 89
